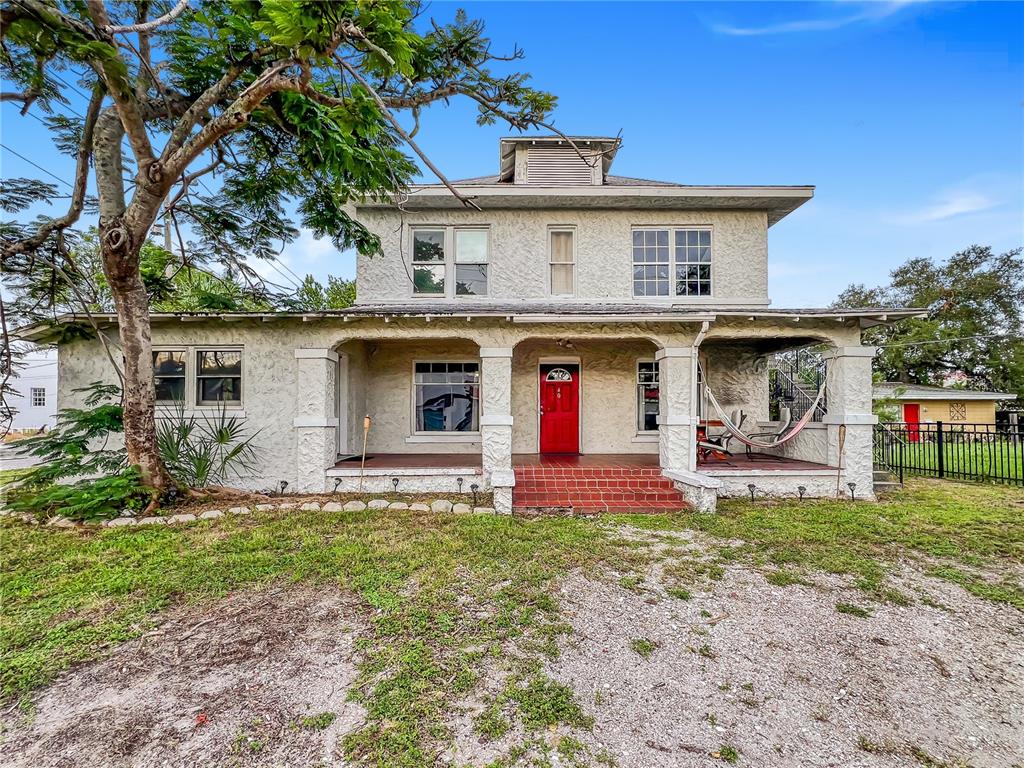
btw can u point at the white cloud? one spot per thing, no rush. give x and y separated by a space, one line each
872 12
973 195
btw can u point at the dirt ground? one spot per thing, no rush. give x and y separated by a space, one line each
237 686
782 677
777 674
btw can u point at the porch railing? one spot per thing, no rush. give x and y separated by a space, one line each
981 452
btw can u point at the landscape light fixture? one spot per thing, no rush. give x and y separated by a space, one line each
460 481
852 487
394 483
751 487
474 488
283 484
801 489
337 482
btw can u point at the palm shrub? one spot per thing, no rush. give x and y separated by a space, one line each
81 477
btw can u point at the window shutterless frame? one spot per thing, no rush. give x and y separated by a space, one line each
199 377
672 262
647 381
191 399
435 263
38 397
444 435
557 264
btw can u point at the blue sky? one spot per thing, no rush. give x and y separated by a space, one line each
907 116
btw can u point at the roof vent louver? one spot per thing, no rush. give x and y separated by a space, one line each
548 165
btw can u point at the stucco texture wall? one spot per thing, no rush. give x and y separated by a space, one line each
607 394
519 252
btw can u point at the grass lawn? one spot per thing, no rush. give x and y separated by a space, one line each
1000 460
444 594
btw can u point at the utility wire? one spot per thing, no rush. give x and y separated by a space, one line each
944 341
36 165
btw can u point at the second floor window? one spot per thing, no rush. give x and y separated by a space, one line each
450 261
672 262
562 255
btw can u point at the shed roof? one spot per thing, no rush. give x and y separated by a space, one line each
894 390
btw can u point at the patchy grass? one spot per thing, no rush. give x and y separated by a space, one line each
446 595
320 722
643 647
853 610
964 526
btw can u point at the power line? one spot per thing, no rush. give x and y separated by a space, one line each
36 165
944 341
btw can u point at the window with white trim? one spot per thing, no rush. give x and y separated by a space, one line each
450 261
201 375
169 375
648 396
562 260
38 396
471 252
446 396
672 261
219 376
428 262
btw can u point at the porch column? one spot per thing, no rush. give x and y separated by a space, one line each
849 389
496 424
676 434
316 418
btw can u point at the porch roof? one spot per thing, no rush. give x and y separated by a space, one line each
515 312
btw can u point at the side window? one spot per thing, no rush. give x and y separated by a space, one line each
38 395
428 263
562 261
169 375
471 256
648 396
218 376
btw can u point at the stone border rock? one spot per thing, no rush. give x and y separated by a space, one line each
439 506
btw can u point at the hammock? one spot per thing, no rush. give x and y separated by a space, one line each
739 435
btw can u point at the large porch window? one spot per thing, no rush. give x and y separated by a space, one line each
648 396
447 396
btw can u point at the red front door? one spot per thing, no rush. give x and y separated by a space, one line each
560 408
912 417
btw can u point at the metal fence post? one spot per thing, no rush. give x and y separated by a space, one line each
941 459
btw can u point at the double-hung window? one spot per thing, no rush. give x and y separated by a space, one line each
447 396
450 261
648 396
562 260
200 375
471 251
38 397
428 262
672 261
169 375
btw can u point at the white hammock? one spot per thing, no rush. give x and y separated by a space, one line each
735 431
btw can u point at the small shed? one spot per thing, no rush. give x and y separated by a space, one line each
920 403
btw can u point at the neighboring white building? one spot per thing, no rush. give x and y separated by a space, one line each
544 344
34 400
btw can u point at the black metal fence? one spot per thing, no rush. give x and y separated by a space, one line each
984 452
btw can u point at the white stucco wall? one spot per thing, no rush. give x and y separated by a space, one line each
519 252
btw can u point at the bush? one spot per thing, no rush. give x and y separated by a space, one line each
200 452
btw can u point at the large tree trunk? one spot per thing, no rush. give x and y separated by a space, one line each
121 265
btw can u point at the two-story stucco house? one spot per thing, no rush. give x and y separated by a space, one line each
544 347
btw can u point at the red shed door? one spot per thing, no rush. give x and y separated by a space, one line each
912 418
560 408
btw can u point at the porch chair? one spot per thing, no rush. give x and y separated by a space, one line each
785 420
713 444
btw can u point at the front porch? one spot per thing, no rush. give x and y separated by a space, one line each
519 411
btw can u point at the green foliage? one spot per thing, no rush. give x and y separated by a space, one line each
101 498
315 297
206 450
643 647
975 299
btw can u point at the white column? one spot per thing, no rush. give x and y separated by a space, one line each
676 434
496 424
848 392
316 419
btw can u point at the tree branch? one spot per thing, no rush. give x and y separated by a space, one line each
78 190
148 26
313 93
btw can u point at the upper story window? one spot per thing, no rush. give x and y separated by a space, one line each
672 262
38 397
215 378
562 260
436 273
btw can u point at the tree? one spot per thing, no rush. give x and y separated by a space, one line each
282 99
314 296
974 323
